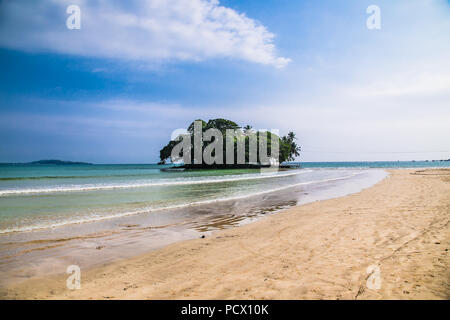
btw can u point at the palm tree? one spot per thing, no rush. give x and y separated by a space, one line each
291 136
248 129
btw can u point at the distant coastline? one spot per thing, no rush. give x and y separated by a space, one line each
52 162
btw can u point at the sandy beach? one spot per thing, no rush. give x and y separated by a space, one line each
316 251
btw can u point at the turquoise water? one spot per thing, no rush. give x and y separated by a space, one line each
47 196
377 164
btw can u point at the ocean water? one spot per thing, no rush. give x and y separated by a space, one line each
36 197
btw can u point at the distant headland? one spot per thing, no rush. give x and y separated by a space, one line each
59 162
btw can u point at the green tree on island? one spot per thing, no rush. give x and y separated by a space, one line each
288 148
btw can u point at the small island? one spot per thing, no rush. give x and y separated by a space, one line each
241 139
58 162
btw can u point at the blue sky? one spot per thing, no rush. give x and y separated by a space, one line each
113 91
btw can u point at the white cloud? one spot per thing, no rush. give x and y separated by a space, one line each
149 31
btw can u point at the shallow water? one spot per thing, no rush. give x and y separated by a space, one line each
39 197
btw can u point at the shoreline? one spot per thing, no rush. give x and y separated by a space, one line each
284 256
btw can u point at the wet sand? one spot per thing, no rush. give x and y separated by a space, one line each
316 251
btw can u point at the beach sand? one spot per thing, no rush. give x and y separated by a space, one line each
316 251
